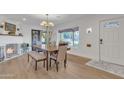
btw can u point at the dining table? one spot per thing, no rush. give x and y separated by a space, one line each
47 50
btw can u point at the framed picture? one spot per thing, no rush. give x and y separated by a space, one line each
10 27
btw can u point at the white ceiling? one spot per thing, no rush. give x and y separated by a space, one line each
36 19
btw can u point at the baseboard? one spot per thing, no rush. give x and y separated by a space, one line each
76 58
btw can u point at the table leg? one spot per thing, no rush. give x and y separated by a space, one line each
35 65
28 57
47 60
65 62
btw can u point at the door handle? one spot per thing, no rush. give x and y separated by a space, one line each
101 41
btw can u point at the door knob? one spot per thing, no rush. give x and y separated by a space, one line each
101 41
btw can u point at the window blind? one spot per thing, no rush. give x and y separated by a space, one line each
69 29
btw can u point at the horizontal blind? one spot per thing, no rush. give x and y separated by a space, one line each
69 29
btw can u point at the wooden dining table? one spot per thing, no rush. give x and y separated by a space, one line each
48 50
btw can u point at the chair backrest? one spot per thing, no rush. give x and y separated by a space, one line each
61 53
63 44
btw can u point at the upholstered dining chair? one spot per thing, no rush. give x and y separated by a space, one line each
53 55
60 56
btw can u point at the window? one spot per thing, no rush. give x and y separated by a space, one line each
76 38
43 37
70 35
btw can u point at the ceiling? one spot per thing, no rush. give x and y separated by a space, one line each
36 19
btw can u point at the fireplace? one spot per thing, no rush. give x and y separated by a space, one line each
11 50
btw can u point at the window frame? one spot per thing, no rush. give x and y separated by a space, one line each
73 36
43 32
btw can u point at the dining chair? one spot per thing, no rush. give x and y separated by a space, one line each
60 56
53 55
38 57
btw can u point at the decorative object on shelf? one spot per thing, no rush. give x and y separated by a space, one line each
11 33
1 26
47 25
20 34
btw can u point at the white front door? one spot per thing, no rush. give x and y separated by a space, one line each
112 41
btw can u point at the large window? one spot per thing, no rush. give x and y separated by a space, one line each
70 35
43 37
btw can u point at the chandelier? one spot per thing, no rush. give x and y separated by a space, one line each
48 28
46 23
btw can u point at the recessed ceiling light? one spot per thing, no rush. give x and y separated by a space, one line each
24 19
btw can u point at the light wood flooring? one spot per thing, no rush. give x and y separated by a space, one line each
19 68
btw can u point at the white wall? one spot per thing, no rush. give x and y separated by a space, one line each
9 39
26 31
84 23
93 38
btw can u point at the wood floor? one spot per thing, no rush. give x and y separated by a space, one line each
19 68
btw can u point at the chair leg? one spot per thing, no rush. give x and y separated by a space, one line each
65 64
28 57
35 65
57 66
44 64
65 61
50 62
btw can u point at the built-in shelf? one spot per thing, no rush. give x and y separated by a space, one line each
10 35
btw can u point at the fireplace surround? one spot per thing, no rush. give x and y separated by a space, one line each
10 47
11 50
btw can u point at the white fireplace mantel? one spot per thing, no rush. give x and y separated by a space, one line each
10 40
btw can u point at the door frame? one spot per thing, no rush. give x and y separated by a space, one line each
32 36
41 31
